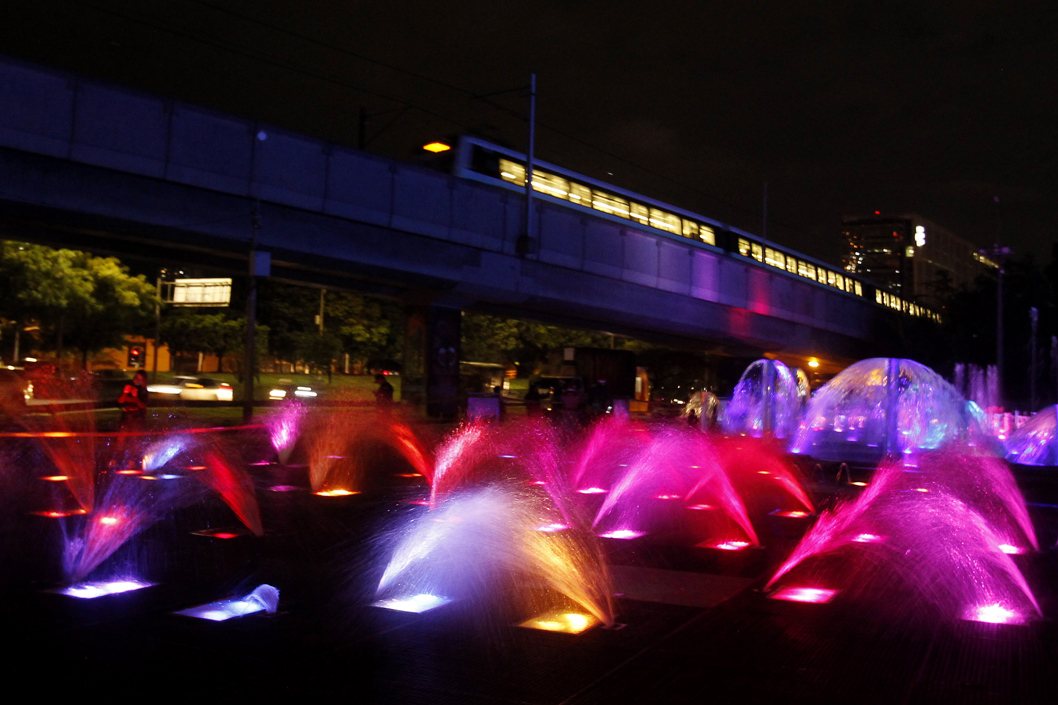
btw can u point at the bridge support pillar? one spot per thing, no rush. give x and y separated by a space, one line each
431 359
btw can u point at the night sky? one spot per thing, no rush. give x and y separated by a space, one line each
844 108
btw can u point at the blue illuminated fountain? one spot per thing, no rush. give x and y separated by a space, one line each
885 406
767 401
1034 443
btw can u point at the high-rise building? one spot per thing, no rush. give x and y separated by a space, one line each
910 256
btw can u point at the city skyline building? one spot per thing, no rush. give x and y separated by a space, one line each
910 256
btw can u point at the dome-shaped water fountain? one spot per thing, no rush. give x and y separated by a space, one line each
766 401
884 406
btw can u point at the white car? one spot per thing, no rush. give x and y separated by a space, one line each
192 389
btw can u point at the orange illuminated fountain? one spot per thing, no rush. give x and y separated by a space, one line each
500 526
343 446
483 544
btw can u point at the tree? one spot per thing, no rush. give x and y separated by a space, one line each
90 302
526 344
186 331
117 305
364 327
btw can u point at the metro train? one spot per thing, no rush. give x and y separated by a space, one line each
488 163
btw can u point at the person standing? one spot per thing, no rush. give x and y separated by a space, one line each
133 402
384 393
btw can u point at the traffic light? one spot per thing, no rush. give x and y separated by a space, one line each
136 356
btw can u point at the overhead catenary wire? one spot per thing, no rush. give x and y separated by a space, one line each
432 112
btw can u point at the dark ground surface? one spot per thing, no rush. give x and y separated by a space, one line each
693 626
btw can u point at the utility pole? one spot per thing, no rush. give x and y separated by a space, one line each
999 253
526 244
157 326
251 319
320 317
1034 316
764 216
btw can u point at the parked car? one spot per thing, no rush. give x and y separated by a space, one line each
192 389
14 391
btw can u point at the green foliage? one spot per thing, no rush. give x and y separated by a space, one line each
186 331
85 301
508 341
361 326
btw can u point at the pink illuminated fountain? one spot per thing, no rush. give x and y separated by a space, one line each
936 529
675 464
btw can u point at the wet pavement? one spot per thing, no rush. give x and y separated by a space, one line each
692 626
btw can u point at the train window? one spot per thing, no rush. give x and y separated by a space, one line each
859 289
551 185
791 264
640 213
608 203
757 250
580 194
804 269
706 234
690 229
743 247
830 278
774 258
663 220
512 172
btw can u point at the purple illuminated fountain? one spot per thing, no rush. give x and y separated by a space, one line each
934 532
178 470
767 401
1035 443
884 406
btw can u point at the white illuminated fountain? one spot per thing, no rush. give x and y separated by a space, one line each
884 407
767 401
263 598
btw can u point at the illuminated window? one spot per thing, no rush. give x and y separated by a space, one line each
743 247
805 269
639 213
791 264
580 194
859 289
774 258
830 278
706 234
665 221
690 229
512 172
550 184
757 252
608 203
